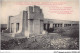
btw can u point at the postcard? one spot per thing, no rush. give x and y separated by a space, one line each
39 25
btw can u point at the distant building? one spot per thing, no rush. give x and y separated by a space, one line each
32 21
3 27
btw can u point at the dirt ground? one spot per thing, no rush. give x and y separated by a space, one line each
51 41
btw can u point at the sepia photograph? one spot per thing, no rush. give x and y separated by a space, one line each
39 25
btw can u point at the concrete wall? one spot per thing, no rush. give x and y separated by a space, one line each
63 22
35 15
56 24
23 24
16 19
23 20
32 21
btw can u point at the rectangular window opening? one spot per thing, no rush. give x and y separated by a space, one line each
17 27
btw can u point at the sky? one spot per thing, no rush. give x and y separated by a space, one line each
14 7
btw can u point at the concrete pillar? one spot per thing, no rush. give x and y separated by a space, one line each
31 26
51 25
57 25
36 26
14 27
9 25
62 24
41 26
9 22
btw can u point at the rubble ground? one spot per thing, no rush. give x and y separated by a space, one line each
52 41
59 40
